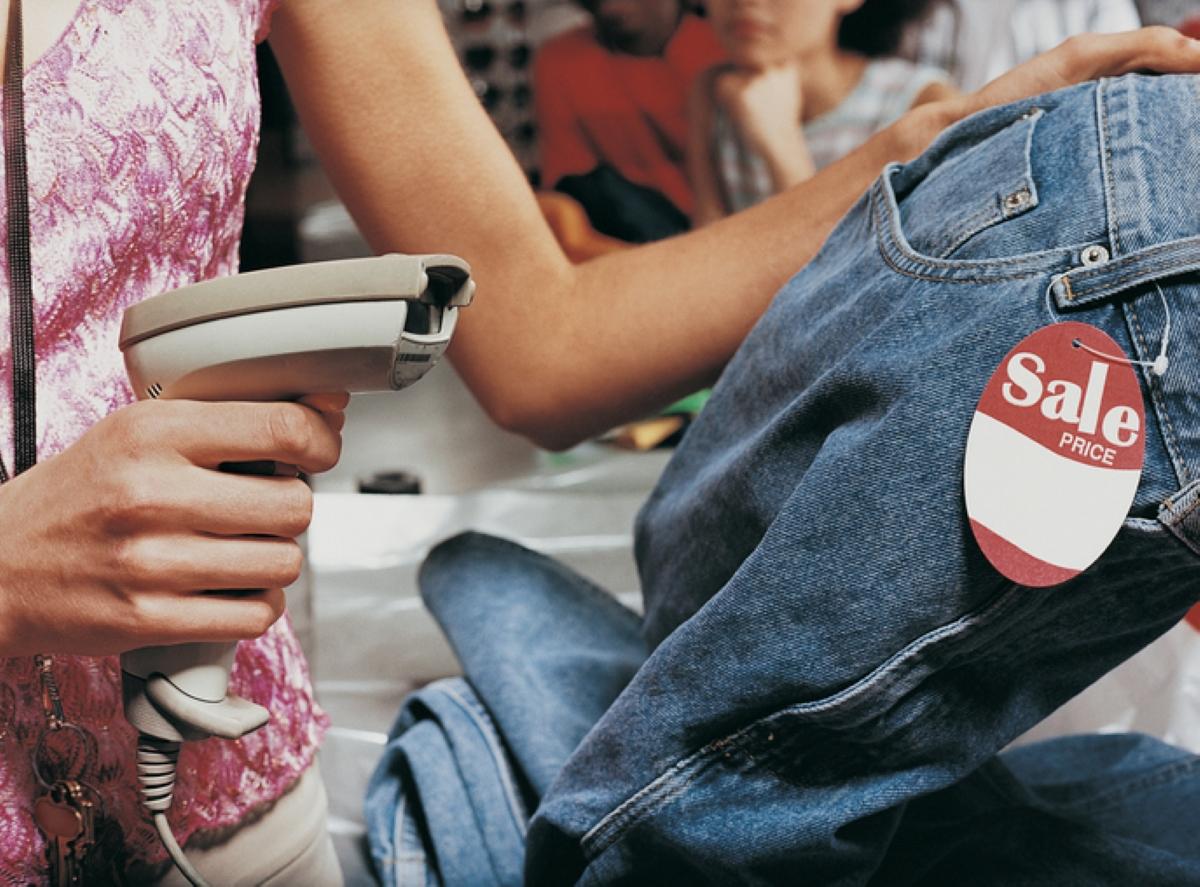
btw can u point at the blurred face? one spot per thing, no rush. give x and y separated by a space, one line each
640 27
763 33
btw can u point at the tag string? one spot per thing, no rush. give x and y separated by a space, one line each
1160 364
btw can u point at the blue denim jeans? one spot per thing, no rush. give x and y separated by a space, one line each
548 652
831 645
835 666
466 763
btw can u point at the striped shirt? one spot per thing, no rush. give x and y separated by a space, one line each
978 40
886 90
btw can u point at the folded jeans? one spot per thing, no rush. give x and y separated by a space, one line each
830 644
833 667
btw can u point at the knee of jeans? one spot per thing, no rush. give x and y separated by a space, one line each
455 560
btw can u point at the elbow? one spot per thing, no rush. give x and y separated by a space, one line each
548 416
543 426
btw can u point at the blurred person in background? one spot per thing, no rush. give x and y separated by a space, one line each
977 40
807 82
611 101
1181 14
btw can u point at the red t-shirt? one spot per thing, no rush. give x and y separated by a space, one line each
597 106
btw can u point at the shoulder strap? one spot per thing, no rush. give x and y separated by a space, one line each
20 273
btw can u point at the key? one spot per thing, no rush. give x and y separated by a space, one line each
61 822
83 800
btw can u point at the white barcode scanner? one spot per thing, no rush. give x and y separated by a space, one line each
356 325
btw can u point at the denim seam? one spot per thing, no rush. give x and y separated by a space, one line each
396 855
1080 277
487 728
1113 288
1106 166
897 256
1180 537
976 224
1170 436
669 785
1174 521
1175 526
1182 517
979 222
1161 774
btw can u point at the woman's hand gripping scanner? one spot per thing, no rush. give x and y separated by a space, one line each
359 325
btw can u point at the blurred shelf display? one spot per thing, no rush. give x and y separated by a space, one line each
495 41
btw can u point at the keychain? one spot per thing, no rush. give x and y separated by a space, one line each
65 812
66 816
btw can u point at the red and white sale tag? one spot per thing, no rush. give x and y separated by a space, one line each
1054 454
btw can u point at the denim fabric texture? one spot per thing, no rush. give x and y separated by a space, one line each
830 645
444 759
835 667
547 652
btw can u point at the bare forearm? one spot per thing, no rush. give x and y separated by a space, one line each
687 303
552 350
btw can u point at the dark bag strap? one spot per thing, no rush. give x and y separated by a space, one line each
20 269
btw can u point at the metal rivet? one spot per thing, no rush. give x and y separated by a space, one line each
1094 255
1017 199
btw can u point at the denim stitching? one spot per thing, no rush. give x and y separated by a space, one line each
1184 515
1161 774
1082 276
1106 165
1109 289
897 256
1180 536
996 269
670 784
976 224
491 737
1174 521
985 218
1170 437
647 800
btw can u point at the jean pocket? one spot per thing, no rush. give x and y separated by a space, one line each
977 181
970 191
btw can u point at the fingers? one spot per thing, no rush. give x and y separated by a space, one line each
233 505
1158 49
1166 51
182 563
200 500
327 402
331 406
1088 57
174 619
209 434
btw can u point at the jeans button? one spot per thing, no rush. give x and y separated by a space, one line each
1094 255
1017 200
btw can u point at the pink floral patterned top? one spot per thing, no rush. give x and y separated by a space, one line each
142 128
